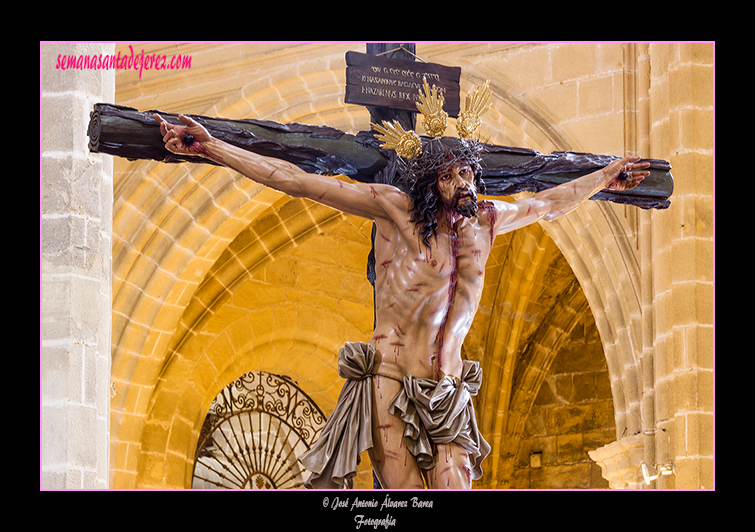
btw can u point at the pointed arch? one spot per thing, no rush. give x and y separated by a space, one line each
596 246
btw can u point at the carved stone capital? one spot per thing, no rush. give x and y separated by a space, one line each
621 462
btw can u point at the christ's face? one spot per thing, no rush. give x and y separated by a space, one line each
456 186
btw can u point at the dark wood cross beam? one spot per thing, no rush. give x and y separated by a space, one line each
132 134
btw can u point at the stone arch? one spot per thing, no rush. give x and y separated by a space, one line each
535 361
283 225
158 265
182 397
514 288
289 222
250 328
597 248
531 369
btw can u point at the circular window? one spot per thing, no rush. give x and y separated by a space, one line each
254 433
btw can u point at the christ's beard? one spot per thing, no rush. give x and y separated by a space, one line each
467 208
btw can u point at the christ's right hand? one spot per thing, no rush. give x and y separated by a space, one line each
175 138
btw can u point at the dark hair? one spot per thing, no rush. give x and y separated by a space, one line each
421 174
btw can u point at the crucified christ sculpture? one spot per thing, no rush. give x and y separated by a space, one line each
407 398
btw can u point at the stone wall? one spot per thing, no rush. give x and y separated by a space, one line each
77 204
572 415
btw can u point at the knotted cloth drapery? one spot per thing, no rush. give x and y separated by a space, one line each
435 412
334 457
438 412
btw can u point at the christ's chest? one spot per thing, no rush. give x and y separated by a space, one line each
463 253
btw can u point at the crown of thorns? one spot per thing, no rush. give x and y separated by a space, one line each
417 159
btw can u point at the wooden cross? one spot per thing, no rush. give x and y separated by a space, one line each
132 134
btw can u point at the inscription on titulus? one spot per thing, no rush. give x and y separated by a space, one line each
395 83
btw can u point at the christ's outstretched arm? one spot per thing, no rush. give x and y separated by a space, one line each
621 174
365 200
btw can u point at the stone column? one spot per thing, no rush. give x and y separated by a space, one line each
76 241
676 257
681 114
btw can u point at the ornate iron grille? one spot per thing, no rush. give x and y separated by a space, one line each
256 429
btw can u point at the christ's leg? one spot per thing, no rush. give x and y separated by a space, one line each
452 470
394 465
